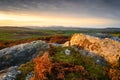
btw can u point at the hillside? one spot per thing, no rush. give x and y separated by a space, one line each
22 33
83 57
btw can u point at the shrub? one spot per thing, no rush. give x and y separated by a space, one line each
42 67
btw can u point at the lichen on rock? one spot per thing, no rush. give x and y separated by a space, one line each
22 53
107 48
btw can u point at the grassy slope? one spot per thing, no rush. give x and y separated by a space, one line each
18 33
61 61
8 35
77 59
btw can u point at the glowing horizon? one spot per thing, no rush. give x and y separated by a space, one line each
80 13
7 19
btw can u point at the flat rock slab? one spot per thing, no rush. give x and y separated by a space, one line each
18 54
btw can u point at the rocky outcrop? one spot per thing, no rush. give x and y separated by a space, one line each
22 53
106 48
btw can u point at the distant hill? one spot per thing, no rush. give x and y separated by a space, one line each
61 28
14 28
71 28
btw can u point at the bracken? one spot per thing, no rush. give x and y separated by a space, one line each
42 67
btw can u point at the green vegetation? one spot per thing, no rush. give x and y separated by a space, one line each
25 68
61 62
69 32
19 33
77 59
8 35
116 34
16 33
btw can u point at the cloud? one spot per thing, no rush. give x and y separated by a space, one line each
97 8
108 9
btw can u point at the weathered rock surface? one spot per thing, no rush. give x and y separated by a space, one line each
106 48
103 35
29 76
3 73
11 74
20 53
55 44
98 59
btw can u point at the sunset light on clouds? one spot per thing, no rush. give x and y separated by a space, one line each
59 13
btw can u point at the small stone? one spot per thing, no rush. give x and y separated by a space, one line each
67 52
97 61
19 72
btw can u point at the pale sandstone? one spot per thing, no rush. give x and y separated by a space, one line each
107 48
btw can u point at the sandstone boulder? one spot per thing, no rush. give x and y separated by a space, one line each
106 48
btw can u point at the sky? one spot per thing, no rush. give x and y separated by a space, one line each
75 13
